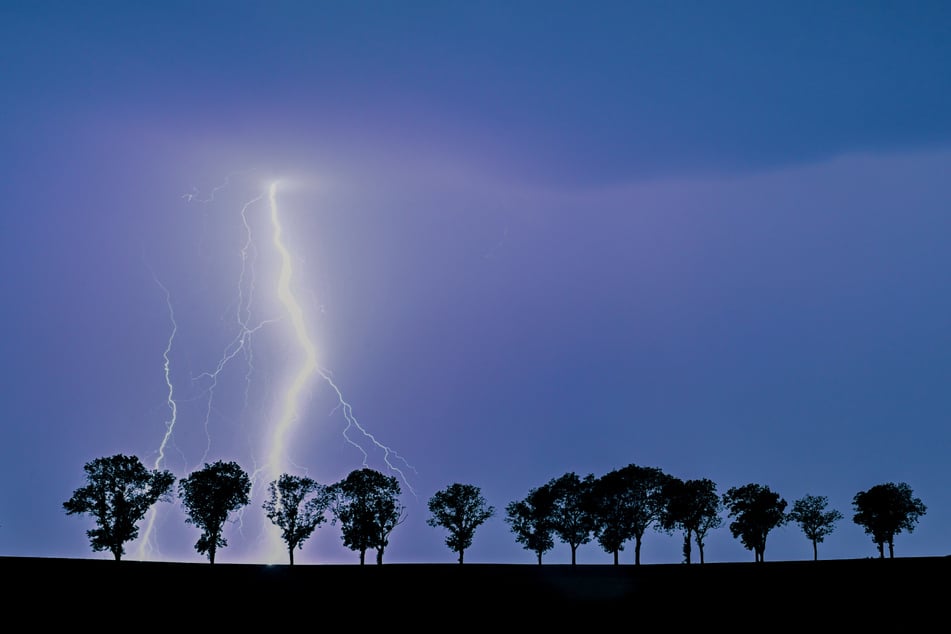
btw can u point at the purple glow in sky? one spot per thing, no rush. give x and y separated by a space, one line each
522 239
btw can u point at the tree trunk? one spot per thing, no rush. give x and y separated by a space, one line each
637 551
615 557
573 550
815 551
461 554
290 551
379 557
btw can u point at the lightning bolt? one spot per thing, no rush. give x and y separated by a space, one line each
277 453
310 366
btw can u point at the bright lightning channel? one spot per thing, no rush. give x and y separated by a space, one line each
311 366
307 370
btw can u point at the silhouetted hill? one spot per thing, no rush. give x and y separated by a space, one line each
901 591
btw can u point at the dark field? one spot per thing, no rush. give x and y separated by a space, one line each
907 593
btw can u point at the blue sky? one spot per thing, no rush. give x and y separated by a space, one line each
526 239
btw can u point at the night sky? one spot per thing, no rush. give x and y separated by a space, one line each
523 239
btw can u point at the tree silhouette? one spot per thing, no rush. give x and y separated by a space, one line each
886 510
366 503
625 502
209 496
757 510
460 509
609 503
297 505
692 506
118 494
530 520
809 512
571 519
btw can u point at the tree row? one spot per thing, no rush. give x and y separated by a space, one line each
612 510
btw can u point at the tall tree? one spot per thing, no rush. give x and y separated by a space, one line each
366 503
119 492
757 510
625 502
297 505
886 510
530 520
814 520
692 506
609 503
571 519
644 500
460 509
209 496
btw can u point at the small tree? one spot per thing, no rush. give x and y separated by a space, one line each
708 519
757 510
809 512
118 494
297 505
460 509
886 510
366 503
530 520
209 496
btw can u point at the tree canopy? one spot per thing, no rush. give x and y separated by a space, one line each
366 503
757 510
209 496
692 506
571 519
530 521
886 510
460 509
119 492
609 503
811 515
297 505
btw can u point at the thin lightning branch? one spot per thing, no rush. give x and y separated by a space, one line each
193 195
242 340
241 343
173 413
172 405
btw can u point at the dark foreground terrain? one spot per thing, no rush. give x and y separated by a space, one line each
907 593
